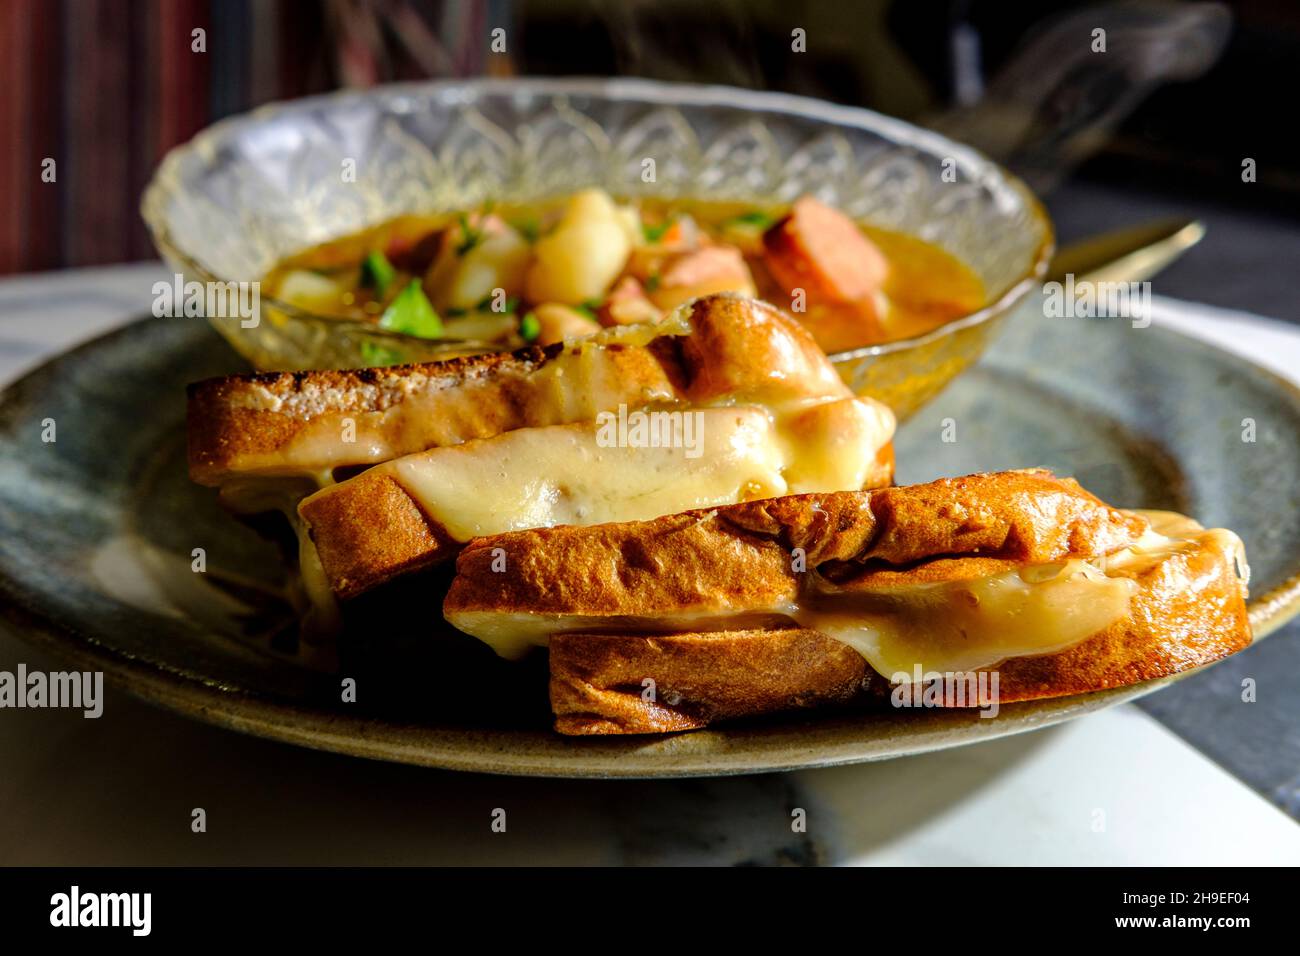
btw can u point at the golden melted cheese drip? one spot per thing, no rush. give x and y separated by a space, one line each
573 474
539 477
1039 609
968 625
938 627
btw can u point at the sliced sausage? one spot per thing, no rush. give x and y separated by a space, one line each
820 250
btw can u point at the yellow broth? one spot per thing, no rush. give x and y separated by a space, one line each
923 288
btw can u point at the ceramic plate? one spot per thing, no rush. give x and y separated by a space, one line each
98 530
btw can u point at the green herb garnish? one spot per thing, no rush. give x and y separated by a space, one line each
753 218
652 282
653 233
375 355
377 273
472 236
411 314
530 229
588 309
529 327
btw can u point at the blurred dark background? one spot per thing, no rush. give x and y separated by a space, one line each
1158 124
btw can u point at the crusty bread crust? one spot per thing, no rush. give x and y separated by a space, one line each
375 535
277 423
742 556
291 422
370 529
1189 610
621 684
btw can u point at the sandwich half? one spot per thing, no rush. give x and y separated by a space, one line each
817 599
384 471
745 406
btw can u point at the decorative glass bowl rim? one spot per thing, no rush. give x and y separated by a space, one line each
166 180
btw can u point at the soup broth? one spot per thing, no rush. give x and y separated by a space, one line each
506 275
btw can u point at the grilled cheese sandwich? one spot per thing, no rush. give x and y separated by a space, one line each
990 571
769 415
447 451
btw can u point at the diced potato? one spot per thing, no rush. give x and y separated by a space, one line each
629 217
309 290
558 322
499 261
589 205
578 262
585 253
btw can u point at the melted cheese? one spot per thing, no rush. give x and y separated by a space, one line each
1172 531
967 625
588 473
1040 609
512 634
538 477
779 435
947 626
831 445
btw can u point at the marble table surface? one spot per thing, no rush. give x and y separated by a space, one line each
1118 787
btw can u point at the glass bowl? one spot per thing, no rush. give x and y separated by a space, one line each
253 189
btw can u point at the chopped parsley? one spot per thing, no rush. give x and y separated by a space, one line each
377 273
411 314
755 217
530 229
655 232
471 236
376 355
529 327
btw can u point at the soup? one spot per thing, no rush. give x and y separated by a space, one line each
507 275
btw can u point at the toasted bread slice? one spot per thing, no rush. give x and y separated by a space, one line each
1188 610
771 416
651 684
294 423
754 557
305 423
728 610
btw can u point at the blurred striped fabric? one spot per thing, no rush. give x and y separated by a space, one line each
105 87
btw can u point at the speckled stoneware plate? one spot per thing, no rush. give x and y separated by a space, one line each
98 529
